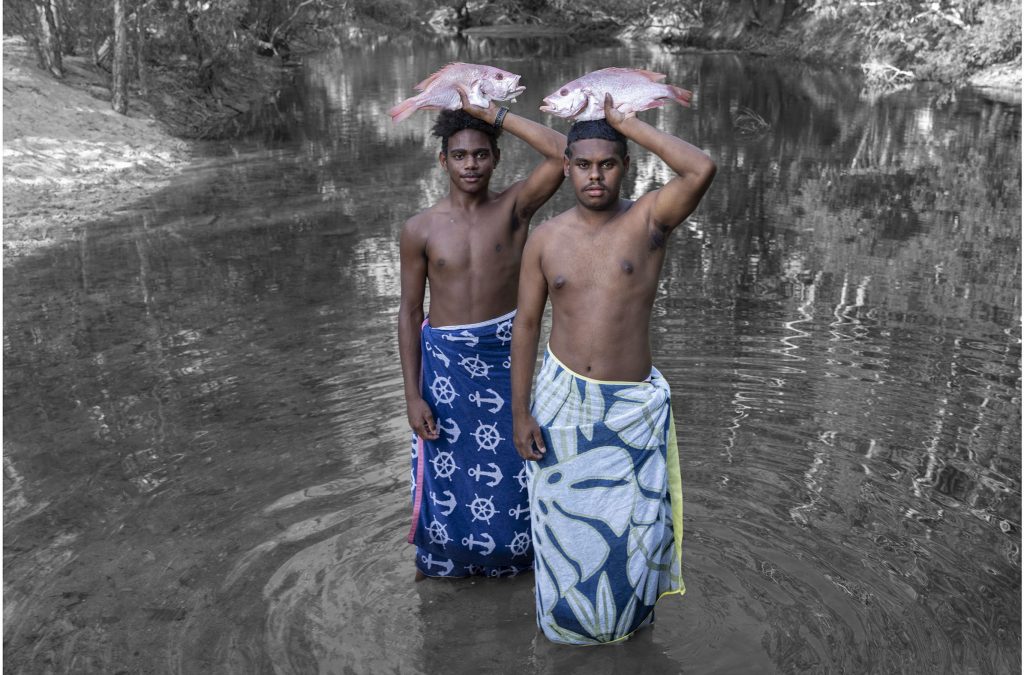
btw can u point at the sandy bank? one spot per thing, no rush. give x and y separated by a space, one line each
68 158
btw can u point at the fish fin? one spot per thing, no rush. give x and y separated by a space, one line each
681 95
404 109
422 86
652 76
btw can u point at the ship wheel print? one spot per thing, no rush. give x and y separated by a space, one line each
443 390
438 533
482 509
522 478
444 464
504 331
475 366
520 544
487 437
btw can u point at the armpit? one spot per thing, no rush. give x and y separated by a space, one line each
658 236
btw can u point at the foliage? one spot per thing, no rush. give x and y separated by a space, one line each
936 40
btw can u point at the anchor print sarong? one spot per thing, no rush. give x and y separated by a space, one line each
470 502
606 504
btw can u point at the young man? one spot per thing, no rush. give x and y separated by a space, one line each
470 512
605 497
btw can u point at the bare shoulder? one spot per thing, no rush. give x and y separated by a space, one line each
551 227
560 221
419 225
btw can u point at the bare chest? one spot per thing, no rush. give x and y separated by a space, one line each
457 246
609 263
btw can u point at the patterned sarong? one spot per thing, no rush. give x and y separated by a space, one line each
606 504
470 503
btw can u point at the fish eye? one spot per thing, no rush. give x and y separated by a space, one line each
564 92
499 76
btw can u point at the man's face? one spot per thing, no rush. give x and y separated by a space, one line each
470 160
596 170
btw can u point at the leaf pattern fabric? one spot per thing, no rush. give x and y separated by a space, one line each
605 504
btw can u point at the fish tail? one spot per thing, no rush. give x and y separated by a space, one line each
404 109
681 95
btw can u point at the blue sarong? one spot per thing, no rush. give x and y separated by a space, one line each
606 504
470 502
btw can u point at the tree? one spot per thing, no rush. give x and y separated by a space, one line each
119 87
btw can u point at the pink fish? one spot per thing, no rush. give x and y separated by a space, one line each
632 90
438 91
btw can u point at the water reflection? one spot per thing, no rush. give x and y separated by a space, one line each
204 452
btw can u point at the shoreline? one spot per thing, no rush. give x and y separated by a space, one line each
68 158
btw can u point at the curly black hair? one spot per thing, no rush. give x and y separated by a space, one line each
595 129
450 122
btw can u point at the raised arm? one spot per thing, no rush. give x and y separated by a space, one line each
546 177
533 294
413 261
670 205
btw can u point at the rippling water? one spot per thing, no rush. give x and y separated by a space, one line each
205 452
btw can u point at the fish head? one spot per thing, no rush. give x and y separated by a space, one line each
566 102
501 84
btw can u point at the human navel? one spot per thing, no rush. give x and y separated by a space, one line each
440 262
559 281
626 266
497 248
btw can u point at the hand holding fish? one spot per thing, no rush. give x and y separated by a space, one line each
615 116
486 112
440 92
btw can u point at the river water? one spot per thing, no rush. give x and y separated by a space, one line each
205 446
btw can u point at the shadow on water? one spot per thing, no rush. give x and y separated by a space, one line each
205 463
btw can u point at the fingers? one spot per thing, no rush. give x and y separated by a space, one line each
538 441
463 94
430 431
421 421
529 441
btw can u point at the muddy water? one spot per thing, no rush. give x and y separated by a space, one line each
205 450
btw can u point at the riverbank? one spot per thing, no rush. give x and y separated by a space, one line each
68 158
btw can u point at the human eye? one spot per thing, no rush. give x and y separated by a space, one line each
458 154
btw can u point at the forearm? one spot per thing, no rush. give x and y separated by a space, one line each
525 335
541 138
409 322
682 157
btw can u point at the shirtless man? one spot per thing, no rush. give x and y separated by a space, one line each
455 366
599 263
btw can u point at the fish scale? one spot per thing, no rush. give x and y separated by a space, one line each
632 90
438 91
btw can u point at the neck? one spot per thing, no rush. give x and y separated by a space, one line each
467 200
597 218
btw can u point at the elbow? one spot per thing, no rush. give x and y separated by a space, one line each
526 326
410 313
707 170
